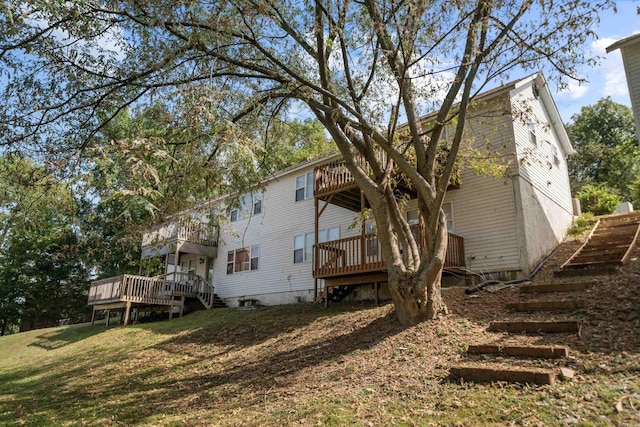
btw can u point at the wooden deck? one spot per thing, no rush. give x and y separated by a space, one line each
363 254
358 259
167 290
185 235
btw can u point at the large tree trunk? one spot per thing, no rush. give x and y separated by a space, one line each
416 294
416 300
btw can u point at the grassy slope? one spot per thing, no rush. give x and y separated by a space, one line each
304 365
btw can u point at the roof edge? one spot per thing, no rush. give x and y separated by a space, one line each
622 43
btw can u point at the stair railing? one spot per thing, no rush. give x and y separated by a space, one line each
575 254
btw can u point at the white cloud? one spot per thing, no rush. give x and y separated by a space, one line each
611 68
576 89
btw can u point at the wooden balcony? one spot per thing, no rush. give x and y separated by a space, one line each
335 184
160 290
363 254
186 236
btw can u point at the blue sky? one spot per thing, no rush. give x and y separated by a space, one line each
607 79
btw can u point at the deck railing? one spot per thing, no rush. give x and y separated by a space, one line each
362 254
106 290
334 175
151 290
187 230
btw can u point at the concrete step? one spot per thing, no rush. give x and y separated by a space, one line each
512 375
556 287
561 305
559 326
536 351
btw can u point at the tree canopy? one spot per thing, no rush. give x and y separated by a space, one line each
42 277
360 68
607 151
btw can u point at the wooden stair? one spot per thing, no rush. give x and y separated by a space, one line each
608 245
506 362
336 293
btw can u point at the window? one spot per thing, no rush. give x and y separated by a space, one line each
554 152
298 249
243 259
371 241
304 186
249 204
257 207
412 217
532 133
303 243
302 248
448 212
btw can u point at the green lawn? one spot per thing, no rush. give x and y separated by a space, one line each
292 365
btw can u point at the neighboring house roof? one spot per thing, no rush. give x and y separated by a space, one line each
622 43
630 50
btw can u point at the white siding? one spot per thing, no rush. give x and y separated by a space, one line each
506 223
631 57
281 219
484 215
483 207
543 193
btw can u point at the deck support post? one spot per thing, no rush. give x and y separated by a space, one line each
182 305
316 255
363 230
376 287
127 313
93 316
108 316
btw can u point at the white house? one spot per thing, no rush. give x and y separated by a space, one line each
501 226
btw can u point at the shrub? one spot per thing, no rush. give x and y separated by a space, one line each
581 224
597 199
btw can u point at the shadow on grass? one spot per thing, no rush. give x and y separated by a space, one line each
95 384
59 338
231 328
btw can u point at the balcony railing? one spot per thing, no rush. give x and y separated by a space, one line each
363 254
150 290
185 230
334 176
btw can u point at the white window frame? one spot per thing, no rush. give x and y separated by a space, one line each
250 204
554 153
533 138
413 221
304 243
306 183
257 203
450 222
253 263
